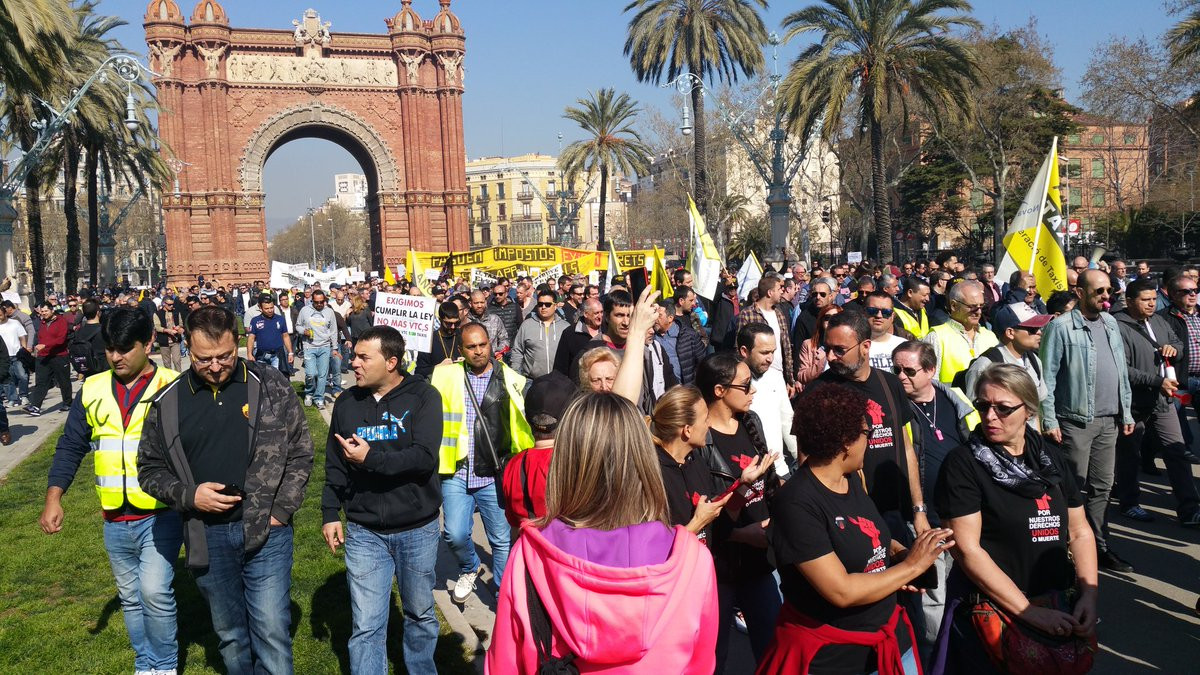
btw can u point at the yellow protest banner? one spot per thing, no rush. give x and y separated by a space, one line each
508 261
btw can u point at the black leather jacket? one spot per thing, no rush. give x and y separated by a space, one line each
491 424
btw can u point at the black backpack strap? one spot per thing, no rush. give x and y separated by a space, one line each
543 637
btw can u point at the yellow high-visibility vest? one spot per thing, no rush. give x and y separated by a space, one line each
450 381
919 327
955 354
116 445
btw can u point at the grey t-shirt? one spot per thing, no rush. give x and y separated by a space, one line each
322 323
1107 402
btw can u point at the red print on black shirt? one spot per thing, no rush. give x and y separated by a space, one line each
1043 503
868 528
744 460
875 412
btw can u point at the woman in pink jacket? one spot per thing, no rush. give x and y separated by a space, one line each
602 581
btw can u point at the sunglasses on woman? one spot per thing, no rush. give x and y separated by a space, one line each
1003 411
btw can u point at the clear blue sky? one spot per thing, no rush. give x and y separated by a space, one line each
528 59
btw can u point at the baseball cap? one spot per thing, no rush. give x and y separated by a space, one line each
1006 320
549 395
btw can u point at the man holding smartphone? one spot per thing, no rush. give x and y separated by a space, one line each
226 426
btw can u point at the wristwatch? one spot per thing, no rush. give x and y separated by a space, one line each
920 508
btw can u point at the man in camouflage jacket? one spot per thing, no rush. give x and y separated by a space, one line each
227 445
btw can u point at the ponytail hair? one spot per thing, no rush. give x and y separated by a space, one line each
674 410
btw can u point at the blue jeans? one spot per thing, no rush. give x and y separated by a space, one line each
908 662
458 511
335 371
248 597
372 561
268 358
142 554
17 382
316 372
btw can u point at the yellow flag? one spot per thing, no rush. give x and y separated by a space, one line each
703 260
388 276
661 280
1030 244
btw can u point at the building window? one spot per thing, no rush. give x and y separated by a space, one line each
1072 139
550 187
1097 197
1131 139
1097 168
499 190
1075 197
977 199
1075 168
483 192
1097 139
502 213
526 210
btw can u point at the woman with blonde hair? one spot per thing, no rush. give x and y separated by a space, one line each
1026 556
598 369
603 582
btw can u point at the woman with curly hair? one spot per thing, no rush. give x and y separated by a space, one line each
839 566
735 447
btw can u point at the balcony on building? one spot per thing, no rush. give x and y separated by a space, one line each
525 195
482 199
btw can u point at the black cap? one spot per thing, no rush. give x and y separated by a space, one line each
549 395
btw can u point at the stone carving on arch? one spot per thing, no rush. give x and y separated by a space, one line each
275 127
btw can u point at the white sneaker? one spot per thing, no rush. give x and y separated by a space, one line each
739 622
465 586
144 672
163 672
307 400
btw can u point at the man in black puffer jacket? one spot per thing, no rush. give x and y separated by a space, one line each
381 468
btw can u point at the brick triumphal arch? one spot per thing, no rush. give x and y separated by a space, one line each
229 97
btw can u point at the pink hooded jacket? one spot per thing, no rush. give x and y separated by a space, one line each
653 619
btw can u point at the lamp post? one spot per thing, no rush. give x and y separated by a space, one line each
332 243
128 69
775 168
312 233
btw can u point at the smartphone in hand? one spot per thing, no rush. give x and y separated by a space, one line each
232 490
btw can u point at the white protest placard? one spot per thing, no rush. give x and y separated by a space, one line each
480 279
550 276
854 257
411 315
432 275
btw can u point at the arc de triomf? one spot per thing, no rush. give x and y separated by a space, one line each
229 97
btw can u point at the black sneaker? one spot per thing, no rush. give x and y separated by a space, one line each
33 410
1151 470
1112 562
1191 457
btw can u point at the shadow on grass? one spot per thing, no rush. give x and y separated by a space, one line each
111 607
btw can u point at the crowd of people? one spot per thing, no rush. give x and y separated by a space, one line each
878 468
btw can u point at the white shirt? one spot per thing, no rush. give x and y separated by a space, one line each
881 352
12 331
772 406
772 320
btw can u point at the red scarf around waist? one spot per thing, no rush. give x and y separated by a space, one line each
798 638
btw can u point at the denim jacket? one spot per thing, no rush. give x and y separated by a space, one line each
1069 363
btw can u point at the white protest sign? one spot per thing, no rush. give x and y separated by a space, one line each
432 275
854 257
479 278
411 315
550 276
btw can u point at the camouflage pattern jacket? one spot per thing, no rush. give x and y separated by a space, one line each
281 460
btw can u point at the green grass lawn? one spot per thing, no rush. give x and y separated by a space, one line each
58 602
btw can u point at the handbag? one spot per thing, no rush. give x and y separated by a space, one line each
1015 647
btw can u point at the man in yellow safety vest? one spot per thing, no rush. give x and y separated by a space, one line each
141 535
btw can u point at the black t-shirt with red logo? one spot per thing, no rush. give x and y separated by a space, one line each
1026 537
808 521
735 561
685 484
884 464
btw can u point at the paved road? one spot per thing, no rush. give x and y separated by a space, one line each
1148 619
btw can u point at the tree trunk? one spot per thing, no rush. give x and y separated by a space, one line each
998 226
71 212
699 155
880 201
33 222
602 245
93 199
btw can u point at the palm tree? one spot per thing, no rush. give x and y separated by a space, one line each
33 36
711 39
881 53
611 145
1183 40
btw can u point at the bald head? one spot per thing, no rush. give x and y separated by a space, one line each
1093 279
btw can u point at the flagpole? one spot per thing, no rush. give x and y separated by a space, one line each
1037 233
